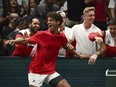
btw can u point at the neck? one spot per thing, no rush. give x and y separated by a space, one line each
55 31
87 25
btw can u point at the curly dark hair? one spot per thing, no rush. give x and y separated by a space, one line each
55 16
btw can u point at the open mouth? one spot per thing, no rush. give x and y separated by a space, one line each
49 25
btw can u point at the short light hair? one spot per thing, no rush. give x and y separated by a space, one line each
87 9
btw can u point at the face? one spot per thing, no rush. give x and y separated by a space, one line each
90 17
112 30
35 25
52 23
13 3
32 4
14 16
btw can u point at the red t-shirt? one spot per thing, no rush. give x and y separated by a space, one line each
100 10
22 50
47 51
111 51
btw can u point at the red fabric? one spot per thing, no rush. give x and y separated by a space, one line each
111 51
68 54
47 51
100 10
22 50
96 34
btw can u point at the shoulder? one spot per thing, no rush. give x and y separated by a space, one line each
95 27
76 26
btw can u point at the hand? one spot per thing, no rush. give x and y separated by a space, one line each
25 35
9 42
70 46
83 56
92 59
99 40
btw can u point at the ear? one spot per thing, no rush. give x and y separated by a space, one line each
58 22
29 24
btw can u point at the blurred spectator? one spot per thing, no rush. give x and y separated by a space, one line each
42 9
12 7
9 6
32 4
1 8
8 29
100 12
20 2
112 7
20 24
75 11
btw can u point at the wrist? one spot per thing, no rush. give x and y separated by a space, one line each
97 54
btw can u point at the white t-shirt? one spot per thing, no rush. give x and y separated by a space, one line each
83 44
109 39
111 4
62 51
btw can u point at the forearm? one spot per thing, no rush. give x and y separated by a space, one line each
102 49
71 49
21 41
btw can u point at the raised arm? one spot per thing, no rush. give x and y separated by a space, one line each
18 41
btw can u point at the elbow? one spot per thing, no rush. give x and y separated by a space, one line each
91 38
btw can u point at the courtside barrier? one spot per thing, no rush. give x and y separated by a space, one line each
13 71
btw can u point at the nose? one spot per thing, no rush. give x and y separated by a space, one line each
93 16
48 22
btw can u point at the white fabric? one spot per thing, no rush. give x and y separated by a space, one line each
38 79
62 51
83 44
109 39
111 4
64 7
33 50
25 30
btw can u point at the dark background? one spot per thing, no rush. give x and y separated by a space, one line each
13 71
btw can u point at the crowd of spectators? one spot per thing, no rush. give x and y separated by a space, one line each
15 15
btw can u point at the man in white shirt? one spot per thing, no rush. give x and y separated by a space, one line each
80 33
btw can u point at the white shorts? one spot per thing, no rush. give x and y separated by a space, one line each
38 79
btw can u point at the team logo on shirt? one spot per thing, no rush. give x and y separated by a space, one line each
108 42
31 45
33 81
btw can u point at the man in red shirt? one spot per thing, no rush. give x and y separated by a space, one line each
27 49
108 37
42 67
